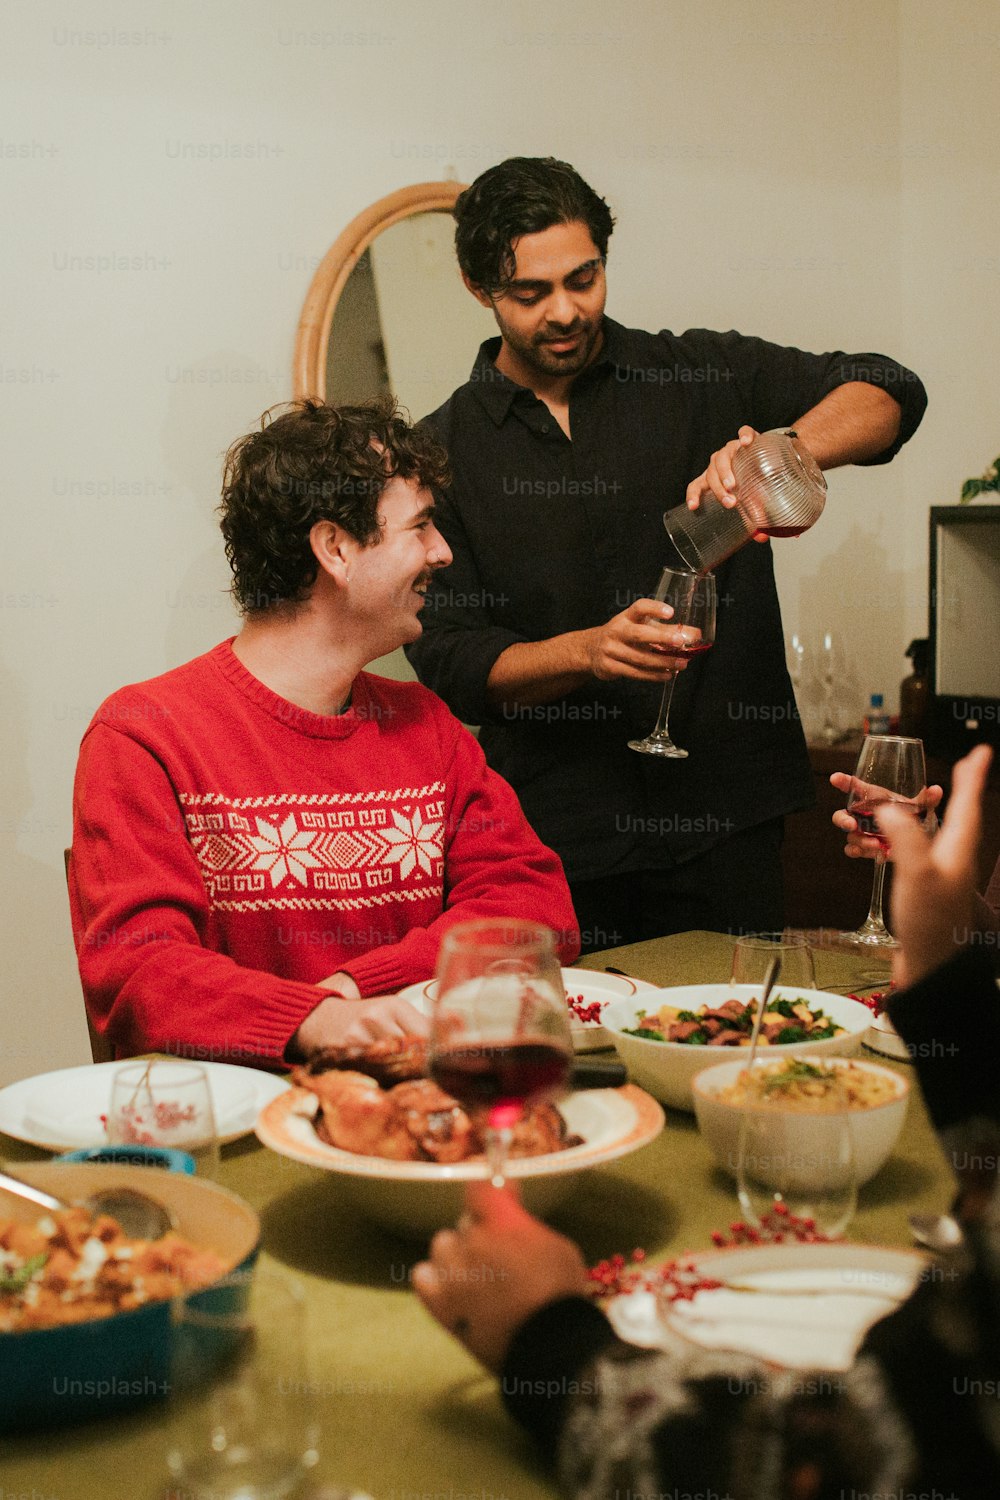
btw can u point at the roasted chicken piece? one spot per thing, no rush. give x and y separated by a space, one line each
375 1101
413 1121
391 1060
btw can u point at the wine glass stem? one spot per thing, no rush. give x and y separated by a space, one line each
498 1141
875 918
661 731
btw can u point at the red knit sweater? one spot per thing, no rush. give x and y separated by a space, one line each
230 850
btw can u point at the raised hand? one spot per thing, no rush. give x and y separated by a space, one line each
934 885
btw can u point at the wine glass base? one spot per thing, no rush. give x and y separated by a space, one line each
870 938
664 747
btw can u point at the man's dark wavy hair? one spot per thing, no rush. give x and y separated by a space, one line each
522 195
313 463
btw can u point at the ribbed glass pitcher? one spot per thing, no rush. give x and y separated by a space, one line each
780 490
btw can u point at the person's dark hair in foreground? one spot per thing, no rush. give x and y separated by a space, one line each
522 195
916 1414
313 463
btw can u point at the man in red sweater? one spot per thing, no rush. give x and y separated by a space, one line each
268 836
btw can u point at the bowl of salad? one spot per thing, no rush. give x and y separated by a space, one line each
666 1039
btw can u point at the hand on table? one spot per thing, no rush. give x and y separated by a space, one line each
339 1022
498 1266
636 644
864 845
934 885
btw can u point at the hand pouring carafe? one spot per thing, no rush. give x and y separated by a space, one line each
780 490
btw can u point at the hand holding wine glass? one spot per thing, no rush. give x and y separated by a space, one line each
890 768
500 1035
692 598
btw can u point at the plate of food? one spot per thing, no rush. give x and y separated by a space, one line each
64 1110
588 991
403 1148
667 1038
796 1306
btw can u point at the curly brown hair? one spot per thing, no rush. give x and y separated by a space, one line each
313 463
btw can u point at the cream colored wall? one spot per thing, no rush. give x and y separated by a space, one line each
172 174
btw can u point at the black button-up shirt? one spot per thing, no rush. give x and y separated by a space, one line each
551 535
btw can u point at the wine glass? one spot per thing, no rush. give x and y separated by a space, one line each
500 1035
754 952
692 598
828 674
161 1102
796 1161
890 768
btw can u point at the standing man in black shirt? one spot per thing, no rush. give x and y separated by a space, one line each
571 438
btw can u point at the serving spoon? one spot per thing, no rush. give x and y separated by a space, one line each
141 1217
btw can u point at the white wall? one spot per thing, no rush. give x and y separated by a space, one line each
172 174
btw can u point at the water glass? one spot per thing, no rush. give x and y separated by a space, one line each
242 1416
799 1162
166 1103
753 954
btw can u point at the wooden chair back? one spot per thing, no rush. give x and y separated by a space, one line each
100 1048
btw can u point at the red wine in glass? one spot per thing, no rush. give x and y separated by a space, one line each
890 768
696 648
500 1035
692 598
501 1077
864 814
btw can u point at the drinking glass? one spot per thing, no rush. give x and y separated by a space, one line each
753 954
500 1034
242 1415
796 1161
890 768
692 597
164 1103
828 675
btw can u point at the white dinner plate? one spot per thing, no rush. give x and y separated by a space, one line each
813 1305
590 984
62 1111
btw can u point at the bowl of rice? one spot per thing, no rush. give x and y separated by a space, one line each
874 1097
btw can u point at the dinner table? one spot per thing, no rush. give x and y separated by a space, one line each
405 1412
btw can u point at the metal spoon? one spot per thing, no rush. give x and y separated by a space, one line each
140 1216
770 976
938 1232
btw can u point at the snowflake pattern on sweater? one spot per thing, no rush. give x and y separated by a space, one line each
288 852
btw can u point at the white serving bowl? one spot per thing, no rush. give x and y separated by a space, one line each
415 1198
874 1131
666 1069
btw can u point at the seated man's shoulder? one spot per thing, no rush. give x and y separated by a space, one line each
157 700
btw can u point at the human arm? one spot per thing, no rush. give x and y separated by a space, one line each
154 973
845 408
634 644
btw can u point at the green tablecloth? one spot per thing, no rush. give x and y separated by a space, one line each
406 1414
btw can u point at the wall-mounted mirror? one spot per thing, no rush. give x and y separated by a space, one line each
387 310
